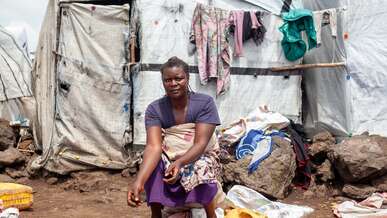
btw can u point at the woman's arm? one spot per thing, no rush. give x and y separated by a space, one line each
203 133
151 157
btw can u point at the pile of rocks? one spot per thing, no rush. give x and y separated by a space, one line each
13 162
354 168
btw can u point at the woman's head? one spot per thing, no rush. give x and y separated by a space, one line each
175 77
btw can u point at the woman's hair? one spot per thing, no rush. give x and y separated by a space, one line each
175 62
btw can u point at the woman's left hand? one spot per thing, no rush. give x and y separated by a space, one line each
172 173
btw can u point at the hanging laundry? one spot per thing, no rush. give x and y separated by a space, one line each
257 143
296 21
245 26
319 17
209 26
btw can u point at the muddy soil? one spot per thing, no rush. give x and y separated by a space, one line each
110 201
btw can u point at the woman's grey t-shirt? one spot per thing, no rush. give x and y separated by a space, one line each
201 109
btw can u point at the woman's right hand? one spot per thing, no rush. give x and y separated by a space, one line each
134 192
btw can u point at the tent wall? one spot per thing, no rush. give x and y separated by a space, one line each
43 73
327 104
16 101
165 29
15 68
92 95
349 100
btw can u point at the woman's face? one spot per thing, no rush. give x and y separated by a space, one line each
175 82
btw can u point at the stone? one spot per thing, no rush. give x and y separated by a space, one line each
380 184
7 135
308 194
24 181
14 173
10 156
6 178
128 172
360 158
52 180
325 172
86 181
273 176
324 136
359 191
319 148
104 200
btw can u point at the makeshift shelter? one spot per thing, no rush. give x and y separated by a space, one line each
349 100
91 99
16 101
165 30
82 86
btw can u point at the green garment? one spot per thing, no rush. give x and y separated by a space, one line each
296 21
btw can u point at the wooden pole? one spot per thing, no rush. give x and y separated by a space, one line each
132 51
305 66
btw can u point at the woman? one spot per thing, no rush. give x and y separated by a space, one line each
171 185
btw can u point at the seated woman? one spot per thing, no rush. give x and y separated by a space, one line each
180 163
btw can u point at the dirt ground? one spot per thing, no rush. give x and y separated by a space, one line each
61 202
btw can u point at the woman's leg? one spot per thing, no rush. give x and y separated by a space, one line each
156 210
210 209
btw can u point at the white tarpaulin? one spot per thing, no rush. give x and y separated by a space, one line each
165 29
349 100
16 101
15 68
92 119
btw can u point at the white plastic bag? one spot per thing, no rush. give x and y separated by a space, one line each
10 213
244 197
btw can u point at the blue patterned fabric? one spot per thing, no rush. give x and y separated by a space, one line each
258 144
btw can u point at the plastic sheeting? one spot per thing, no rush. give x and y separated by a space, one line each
349 100
92 119
15 68
165 29
16 101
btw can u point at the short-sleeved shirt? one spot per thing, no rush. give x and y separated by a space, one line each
201 109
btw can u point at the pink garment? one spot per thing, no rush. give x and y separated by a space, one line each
209 27
236 19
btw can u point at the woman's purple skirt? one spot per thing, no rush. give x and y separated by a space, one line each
158 191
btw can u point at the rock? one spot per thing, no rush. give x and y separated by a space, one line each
322 143
225 157
68 185
52 180
10 156
128 172
308 194
87 181
318 190
23 180
360 157
358 191
7 135
273 176
6 178
324 137
104 200
380 183
14 173
25 144
325 172
319 148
